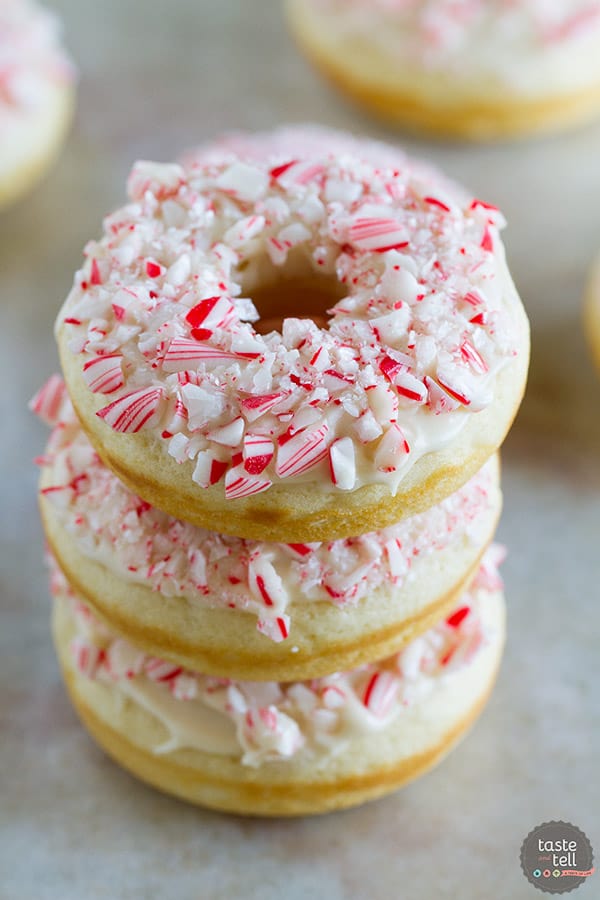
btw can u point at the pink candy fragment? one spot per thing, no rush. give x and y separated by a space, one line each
134 411
104 374
302 452
48 402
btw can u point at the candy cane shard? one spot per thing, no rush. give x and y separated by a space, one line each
342 464
265 584
154 269
238 483
211 313
255 407
410 388
303 550
137 410
392 449
397 561
160 670
104 374
458 616
377 234
182 351
208 469
380 693
258 451
228 435
122 661
48 402
473 357
439 400
87 656
276 630
302 452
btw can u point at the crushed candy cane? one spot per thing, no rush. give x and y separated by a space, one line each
144 545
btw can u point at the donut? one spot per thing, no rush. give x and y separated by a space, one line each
36 95
477 69
592 311
229 607
295 350
274 749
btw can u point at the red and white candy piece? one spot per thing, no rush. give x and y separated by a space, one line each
208 470
255 407
238 483
86 656
302 452
473 357
182 352
229 435
122 661
458 616
104 374
439 400
137 410
48 402
392 450
377 234
265 584
380 693
161 671
276 630
211 313
342 464
258 451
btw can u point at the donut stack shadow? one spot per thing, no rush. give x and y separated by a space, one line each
241 639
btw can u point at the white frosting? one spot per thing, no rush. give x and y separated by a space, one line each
141 544
264 721
162 321
531 46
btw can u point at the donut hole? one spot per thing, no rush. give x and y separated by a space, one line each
307 296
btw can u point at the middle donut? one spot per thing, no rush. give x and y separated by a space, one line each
244 609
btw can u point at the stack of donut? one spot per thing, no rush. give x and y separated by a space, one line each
272 482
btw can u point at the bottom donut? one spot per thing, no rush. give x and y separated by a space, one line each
275 749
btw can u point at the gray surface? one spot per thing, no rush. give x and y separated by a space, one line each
157 77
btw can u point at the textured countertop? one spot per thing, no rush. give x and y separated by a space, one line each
157 77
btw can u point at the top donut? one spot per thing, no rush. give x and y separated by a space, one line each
295 347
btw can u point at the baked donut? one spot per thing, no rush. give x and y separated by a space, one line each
475 69
36 95
298 349
592 311
245 609
276 749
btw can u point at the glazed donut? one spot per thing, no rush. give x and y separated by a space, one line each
36 95
592 311
295 350
479 69
283 749
245 609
